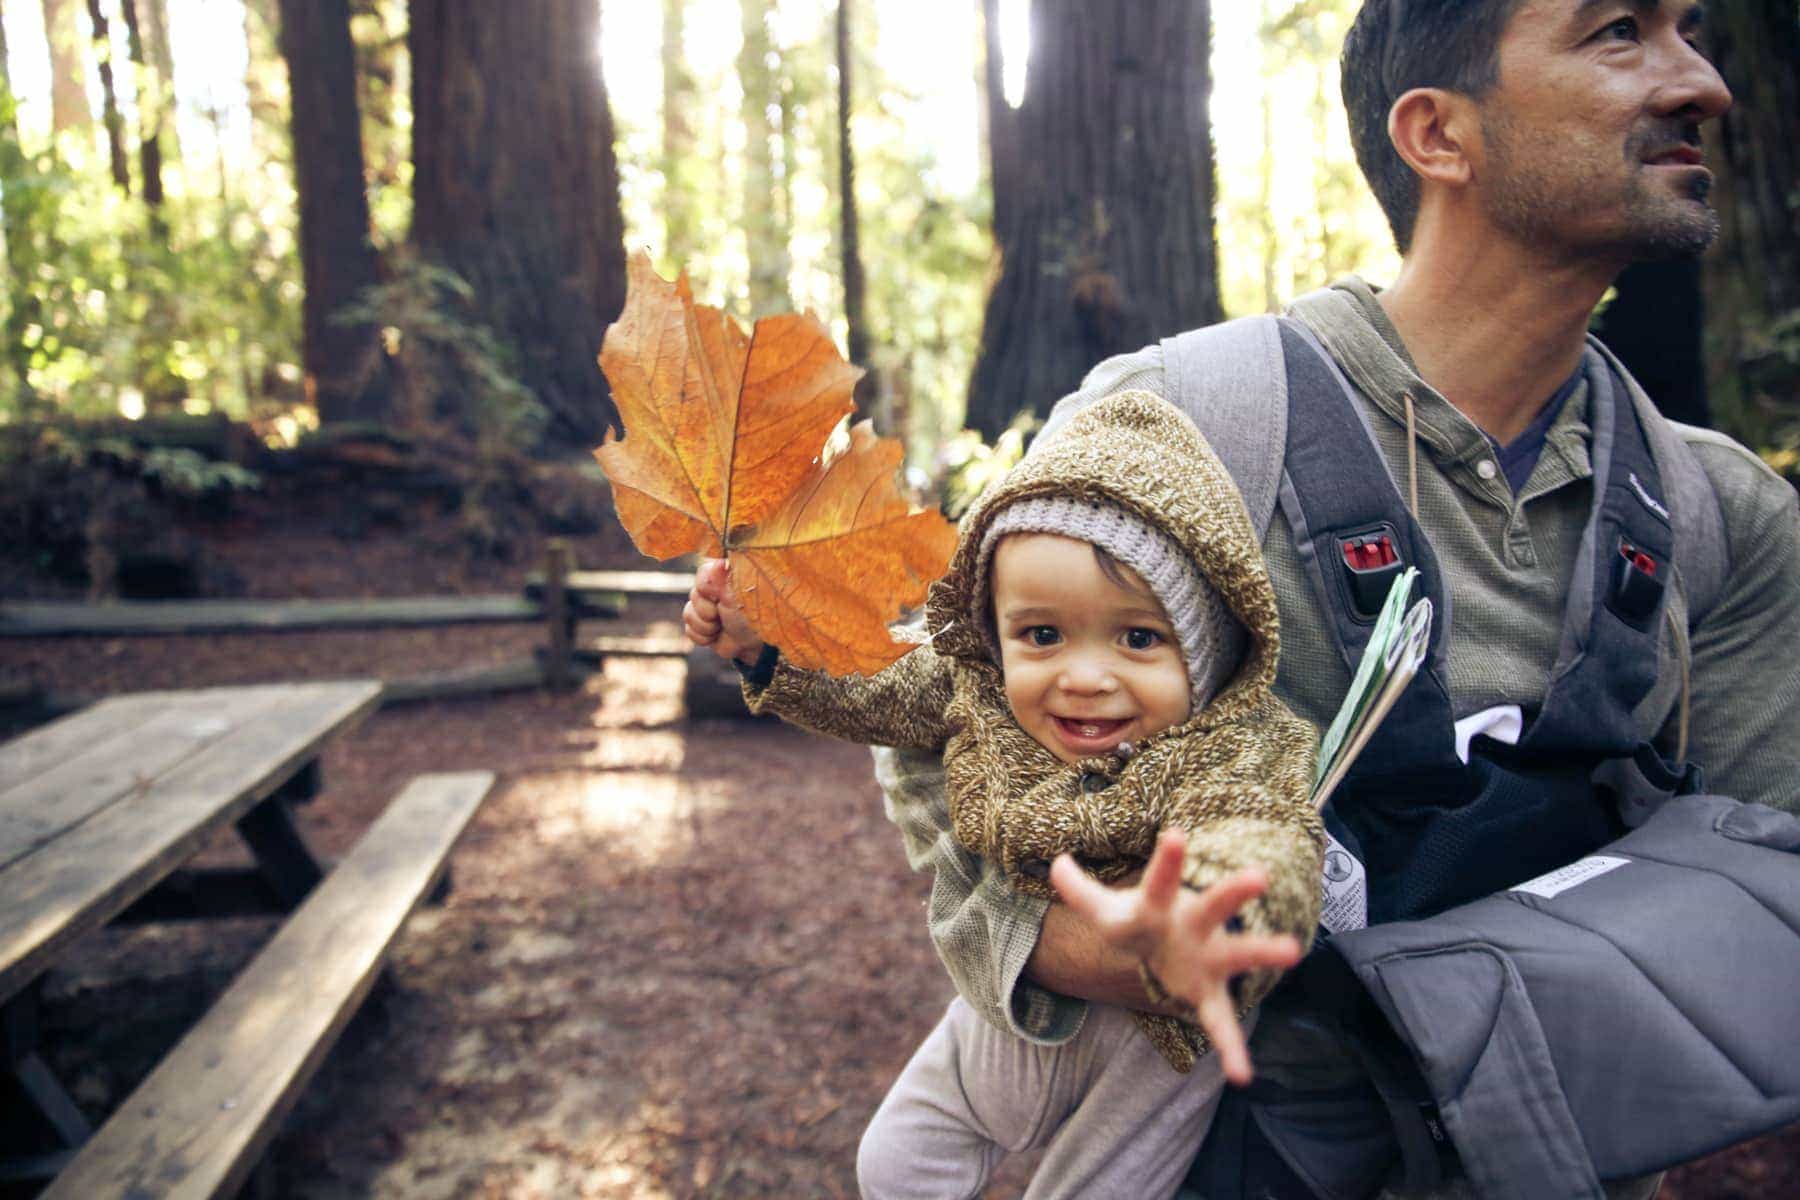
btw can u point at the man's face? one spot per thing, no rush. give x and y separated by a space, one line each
1591 138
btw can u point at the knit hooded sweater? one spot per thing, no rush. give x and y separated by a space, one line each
1234 777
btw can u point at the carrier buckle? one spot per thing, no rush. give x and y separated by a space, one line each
1637 585
1371 564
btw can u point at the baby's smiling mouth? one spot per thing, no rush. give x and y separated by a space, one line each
1090 729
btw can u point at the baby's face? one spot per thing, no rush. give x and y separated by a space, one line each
1089 663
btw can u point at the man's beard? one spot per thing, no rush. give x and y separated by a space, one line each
1548 207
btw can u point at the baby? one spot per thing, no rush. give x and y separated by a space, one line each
1097 675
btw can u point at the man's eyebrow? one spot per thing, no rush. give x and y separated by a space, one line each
1693 16
1587 8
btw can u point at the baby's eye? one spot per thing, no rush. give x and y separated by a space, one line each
1042 635
1143 639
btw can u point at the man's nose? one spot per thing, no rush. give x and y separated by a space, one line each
1696 90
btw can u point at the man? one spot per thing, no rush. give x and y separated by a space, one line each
1524 151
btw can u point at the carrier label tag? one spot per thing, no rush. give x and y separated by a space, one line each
1576 873
1345 903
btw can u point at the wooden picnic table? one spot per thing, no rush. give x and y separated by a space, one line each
99 808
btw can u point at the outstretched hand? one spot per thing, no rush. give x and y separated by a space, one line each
1182 936
712 617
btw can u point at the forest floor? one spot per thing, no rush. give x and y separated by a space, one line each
681 958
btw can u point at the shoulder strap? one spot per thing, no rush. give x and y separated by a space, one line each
1231 382
1702 553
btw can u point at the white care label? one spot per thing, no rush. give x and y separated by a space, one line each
1345 885
1563 878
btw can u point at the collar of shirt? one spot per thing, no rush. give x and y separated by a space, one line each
1384 372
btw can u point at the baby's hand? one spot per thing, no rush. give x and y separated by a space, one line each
1181 935
712 617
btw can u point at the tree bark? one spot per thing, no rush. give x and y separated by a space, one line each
376 31
855 286
680 98
1108 236
1753 276
68 67
114 121
765 231
150 108
346 370
1654 325
22 307
161 53
1001 122
516 186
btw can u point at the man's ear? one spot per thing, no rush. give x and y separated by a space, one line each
1435 132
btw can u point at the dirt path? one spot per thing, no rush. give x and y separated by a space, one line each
681 959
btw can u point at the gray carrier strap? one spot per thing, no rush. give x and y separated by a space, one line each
1702 555
1231 382
1615 1017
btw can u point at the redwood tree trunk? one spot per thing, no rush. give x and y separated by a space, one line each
516 187
150 108
68 67
1654 325
1105 214
1000 122
115 122
346 369
855 287
1753 278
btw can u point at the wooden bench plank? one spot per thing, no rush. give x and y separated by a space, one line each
196 1126
631 583
138 740
97 868
154 617
40 749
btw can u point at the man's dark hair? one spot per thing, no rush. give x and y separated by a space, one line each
1395 46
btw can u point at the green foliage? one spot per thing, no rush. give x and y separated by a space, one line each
77 499
967 465
1293 221
111 316
451 369
1769 419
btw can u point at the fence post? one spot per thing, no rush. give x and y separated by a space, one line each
559 673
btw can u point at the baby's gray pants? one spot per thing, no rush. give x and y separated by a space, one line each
1119 1121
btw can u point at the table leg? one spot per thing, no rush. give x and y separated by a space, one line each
281 853
45 1106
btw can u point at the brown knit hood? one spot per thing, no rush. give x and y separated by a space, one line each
1136 451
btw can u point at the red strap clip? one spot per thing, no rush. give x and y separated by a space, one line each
1638 558
1370 554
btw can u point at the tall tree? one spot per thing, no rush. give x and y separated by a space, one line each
346 370
1654 324
109 96
22 306
160 51
850 241
68 66
516 187
1000 122
765 225
151 103
1107 228
680 99
1753 279
378 29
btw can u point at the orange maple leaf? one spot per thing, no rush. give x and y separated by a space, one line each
724 454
